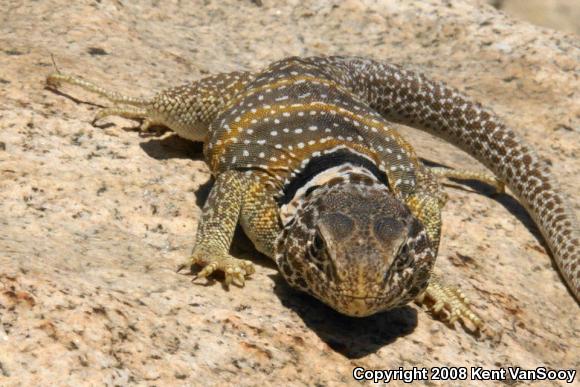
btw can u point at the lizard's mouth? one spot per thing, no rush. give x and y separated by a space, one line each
362 297
345 298
358 306
357 299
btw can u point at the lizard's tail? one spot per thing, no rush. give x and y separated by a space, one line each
412 99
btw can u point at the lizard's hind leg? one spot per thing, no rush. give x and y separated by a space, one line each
462 174
128 112
134 108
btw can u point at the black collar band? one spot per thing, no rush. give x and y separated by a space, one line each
319 164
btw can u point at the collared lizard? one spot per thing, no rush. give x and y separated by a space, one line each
306 160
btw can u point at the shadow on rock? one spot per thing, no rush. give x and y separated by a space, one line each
172 147
202 192
515 208
350 336
243 248
510 203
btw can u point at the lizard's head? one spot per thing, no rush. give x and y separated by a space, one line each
355 247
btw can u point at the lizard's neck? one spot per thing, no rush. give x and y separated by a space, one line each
343 164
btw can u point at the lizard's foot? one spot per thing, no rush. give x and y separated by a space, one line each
450 303
234 269
462 174
131 112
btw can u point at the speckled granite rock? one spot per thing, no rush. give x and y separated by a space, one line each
563 15
95 220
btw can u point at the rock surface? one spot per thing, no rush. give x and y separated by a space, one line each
94 220
563 15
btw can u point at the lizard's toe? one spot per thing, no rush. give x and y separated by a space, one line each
147 125
449 303
235 270
183 266
235 275
54 80
207 270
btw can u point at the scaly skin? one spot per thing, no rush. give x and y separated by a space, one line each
306 161
412 99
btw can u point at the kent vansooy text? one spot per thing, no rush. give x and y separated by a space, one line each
463 373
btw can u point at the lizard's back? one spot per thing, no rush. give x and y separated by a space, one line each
293 113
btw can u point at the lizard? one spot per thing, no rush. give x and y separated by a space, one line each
305 159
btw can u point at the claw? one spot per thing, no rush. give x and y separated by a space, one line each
182 266
229 278
206 271
235 275
147 125
99 115
239 280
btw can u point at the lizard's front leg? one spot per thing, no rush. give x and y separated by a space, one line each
448 302
216 229
439 298
260 215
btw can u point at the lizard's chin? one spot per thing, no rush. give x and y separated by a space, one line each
360 307
355 300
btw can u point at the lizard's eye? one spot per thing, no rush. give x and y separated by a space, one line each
316 251
403 250
401 260
317 244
